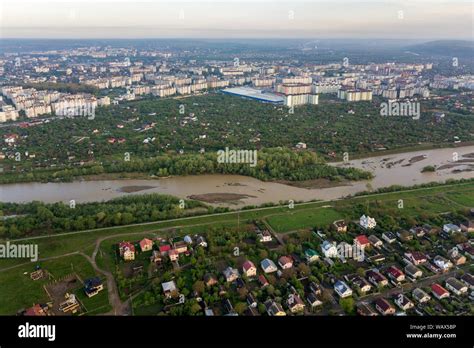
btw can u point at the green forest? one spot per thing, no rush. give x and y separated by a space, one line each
181 136
41 218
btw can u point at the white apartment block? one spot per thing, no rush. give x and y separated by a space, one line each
301 99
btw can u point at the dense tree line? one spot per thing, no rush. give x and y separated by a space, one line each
272 164
41 218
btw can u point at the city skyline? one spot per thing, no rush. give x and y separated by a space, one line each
209 19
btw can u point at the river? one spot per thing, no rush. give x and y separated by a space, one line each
388 170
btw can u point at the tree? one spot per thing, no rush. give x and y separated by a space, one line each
347 305
199 286
304 269
240 307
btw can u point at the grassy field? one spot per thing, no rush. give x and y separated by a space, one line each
303 219
19 291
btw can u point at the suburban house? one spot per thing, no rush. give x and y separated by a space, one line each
413 271
268 266
467 249
273 308
340 226
311 255
262 280
442 263
467 226
164 249
396 274
416 257
403 302
342 289
418 231
93 286
210 279
365 310
456 257
389 237
169 288
313 300
127 251
429 229
420 295
264 236
329 250
251 300
36 311
468 279
200 241
146 244
180 246
451 228
375 241
231 274
376 278
173 255
295 303
228 307
156 257
361 241
384 307
360 283
367 222
285 262
249 269
456 286
439 292
315 288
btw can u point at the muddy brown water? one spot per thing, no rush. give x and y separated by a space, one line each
400 172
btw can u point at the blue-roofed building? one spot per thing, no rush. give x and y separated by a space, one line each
268 266
93 286
342 289
256 94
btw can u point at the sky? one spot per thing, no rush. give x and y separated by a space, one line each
362 19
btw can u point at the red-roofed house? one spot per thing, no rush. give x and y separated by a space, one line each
146 244
127 251
384 307
416 257
263 281
361 241
249 269
164 249
439 292
285 262
396 274
36 310
10 139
